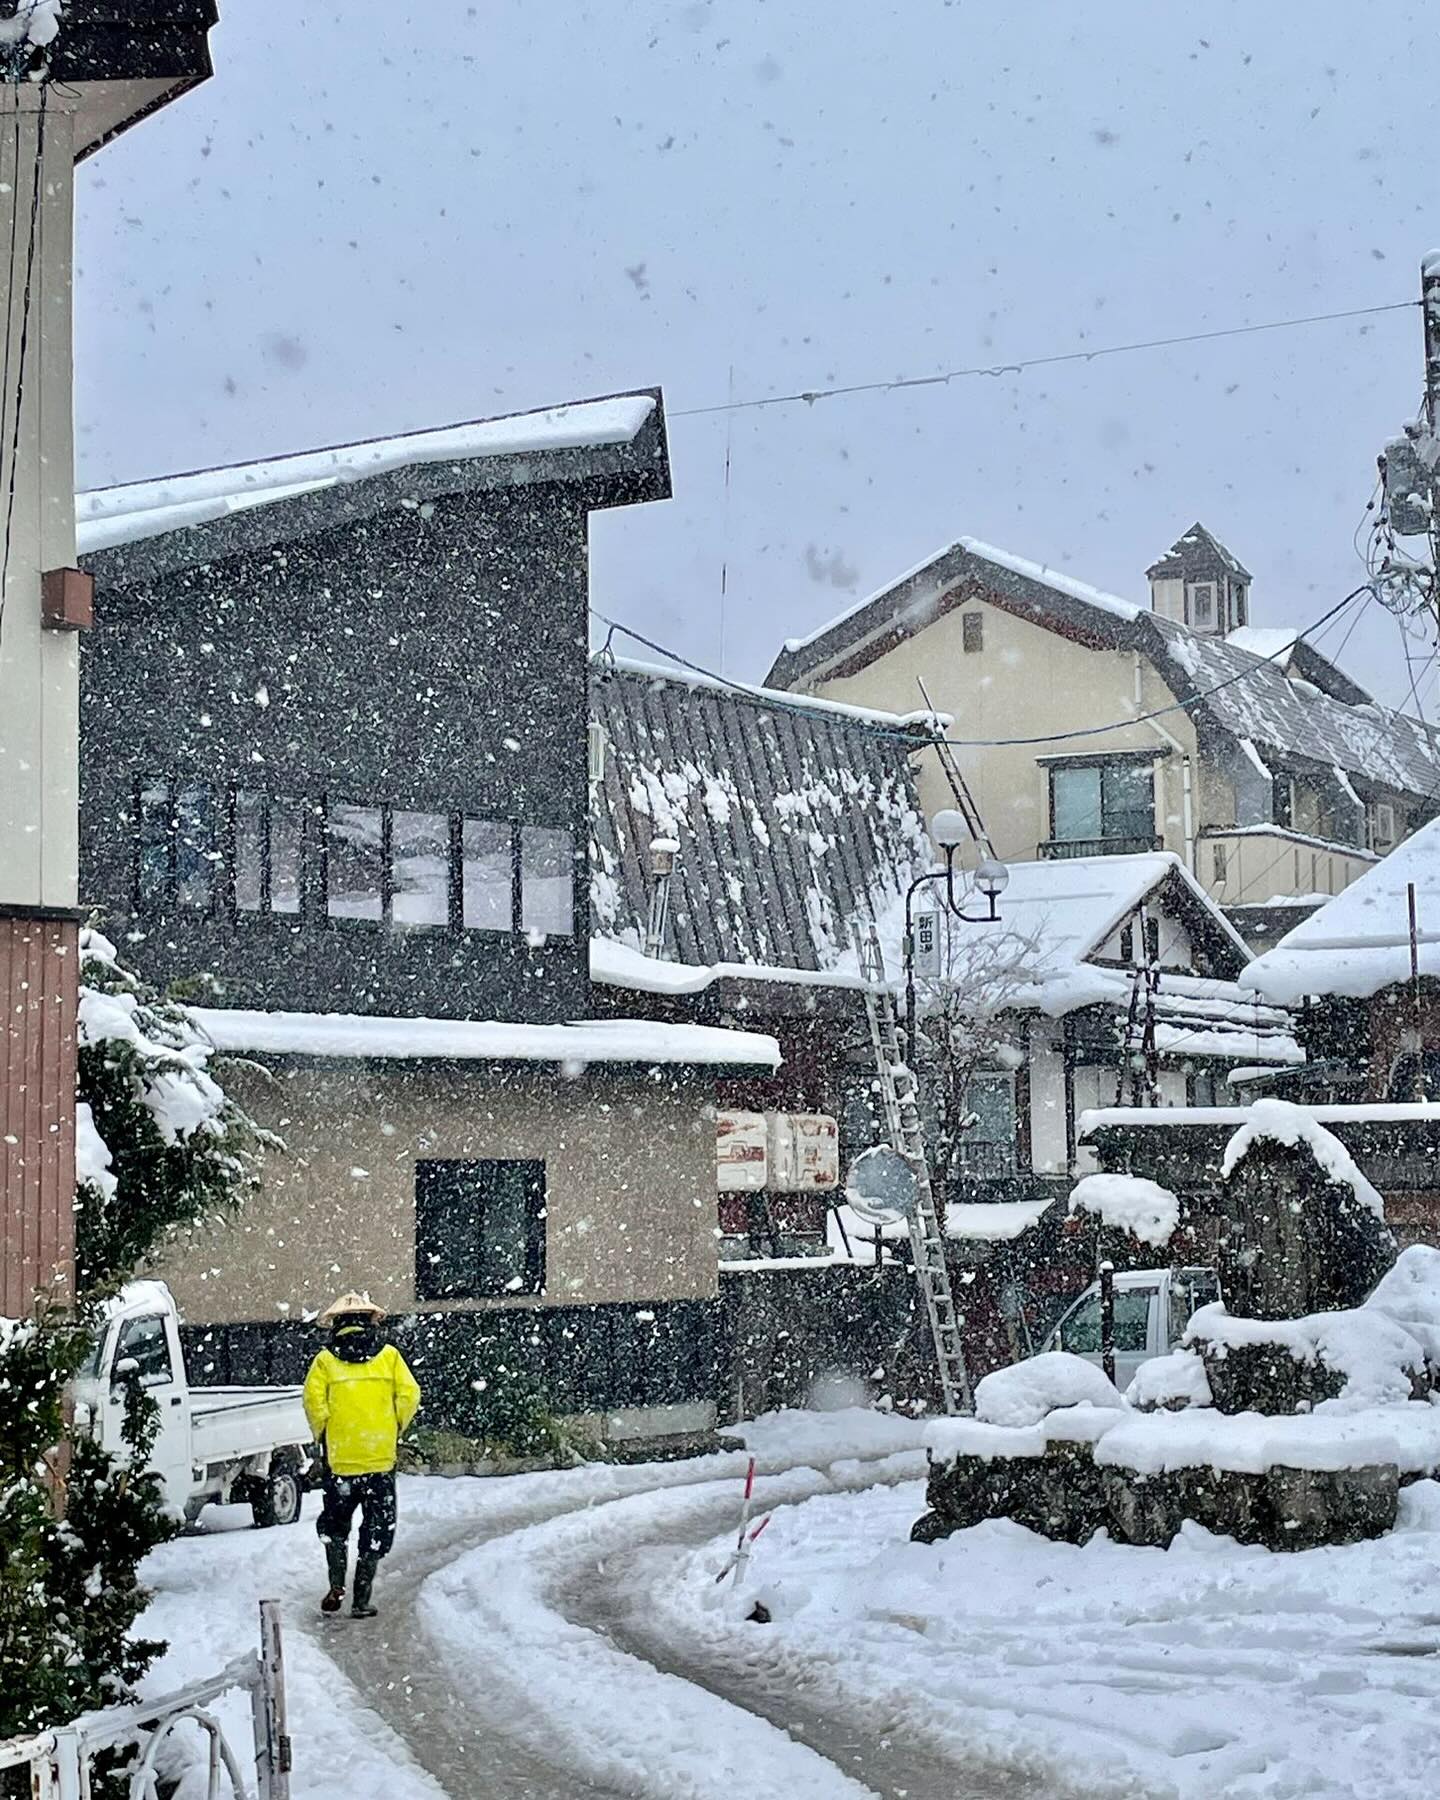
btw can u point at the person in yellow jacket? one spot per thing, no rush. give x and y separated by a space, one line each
359 1396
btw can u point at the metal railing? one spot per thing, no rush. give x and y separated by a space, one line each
1057 849
59 1760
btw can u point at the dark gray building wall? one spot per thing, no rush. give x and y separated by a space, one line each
432 657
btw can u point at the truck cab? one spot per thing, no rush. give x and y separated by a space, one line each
212 1444
1152 1309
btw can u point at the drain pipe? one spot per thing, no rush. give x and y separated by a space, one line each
1187 797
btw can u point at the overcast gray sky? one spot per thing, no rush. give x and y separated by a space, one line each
391 216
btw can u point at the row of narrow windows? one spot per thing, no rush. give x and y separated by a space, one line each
243 851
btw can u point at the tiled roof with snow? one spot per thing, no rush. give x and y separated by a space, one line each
108 517
790 818
1359 942
1261 703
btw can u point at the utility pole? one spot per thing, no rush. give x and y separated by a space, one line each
1405 579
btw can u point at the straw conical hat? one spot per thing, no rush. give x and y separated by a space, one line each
351 1303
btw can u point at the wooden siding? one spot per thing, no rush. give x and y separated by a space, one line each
38 960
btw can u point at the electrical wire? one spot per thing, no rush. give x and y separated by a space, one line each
808 396
1058 737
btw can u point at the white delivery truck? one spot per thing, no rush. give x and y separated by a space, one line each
223 1444
1152 1309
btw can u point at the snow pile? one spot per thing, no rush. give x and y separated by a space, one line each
92 1155
816 1437
1129 1203
35 22
1170 1382
1154 1443
1379 1359
1026 1392
1281 1122
1409 1293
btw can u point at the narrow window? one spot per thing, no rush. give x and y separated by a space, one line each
972 633
250 851
1222 864
152 810
354 861
1202 606
1152 942
287 838
420 868
479 1228
195 852
1127 943
486 876
547 880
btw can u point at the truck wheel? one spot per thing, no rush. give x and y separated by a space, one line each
275 1498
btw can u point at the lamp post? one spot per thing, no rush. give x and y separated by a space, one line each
949 831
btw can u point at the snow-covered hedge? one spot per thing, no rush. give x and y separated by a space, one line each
1129 1203
1027 1391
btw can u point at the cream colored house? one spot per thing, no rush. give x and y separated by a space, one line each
1087 725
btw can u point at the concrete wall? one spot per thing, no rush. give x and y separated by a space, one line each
1026 682
630 1176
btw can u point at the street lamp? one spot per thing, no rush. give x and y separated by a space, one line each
949 830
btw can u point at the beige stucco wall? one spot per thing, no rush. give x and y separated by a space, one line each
1027 682
39 731
630 1178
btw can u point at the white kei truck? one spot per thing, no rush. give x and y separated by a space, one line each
220 1444
1152 1309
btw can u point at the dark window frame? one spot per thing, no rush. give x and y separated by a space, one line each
1124 761
170 836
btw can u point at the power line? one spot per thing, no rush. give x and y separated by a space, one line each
810 395
1058 737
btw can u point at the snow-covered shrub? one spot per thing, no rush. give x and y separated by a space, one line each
1024 1393
159 1145
1167 1383
1142 1209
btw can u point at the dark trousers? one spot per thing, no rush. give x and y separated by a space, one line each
374 1495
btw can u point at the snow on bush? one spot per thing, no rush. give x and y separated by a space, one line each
1169 1382
1280 1122
1378 1358
1129 1203
1026 1392
1409 1293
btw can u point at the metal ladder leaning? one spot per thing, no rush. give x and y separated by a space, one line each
902 1120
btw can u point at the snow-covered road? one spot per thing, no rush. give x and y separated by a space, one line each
561 1636
508 1661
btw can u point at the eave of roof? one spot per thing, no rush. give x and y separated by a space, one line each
131 41
615 446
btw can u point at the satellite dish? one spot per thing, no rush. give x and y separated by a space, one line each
881 1188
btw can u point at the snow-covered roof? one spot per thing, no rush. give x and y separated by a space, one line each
1261 703
1359 942
790 821
1047 952
1397 1112
108 517
614 964
1260 640
344 1035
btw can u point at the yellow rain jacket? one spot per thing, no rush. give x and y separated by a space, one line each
359 1409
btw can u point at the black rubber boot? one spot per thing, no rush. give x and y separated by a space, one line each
335 1560
365 1567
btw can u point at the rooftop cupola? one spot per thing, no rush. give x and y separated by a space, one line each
1197 582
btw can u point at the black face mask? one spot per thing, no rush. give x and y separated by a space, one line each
355 1340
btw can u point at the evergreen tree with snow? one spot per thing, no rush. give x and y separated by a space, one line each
159 1147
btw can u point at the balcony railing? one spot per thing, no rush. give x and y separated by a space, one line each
1056 849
